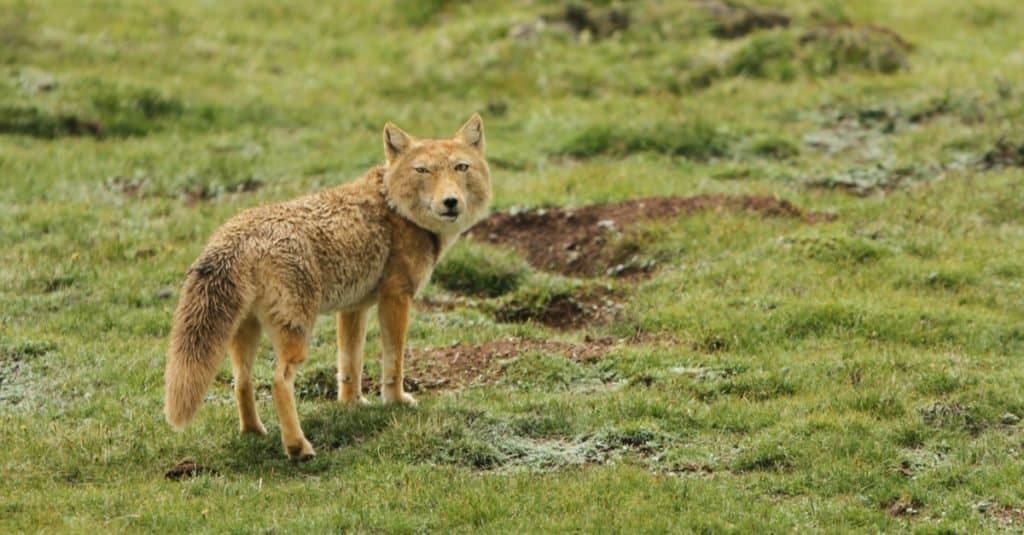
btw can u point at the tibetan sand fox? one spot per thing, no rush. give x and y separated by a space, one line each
374 240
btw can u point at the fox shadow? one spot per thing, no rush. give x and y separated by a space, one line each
329 426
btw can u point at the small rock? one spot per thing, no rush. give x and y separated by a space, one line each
606 224
1010 419
165 293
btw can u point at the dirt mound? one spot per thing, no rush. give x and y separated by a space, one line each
463 364
584 22
1004 154
732 20
833 45
457 365
562 311
188 469
580 242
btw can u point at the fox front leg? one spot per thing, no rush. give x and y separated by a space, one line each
393 313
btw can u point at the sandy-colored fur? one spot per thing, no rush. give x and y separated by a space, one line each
274 268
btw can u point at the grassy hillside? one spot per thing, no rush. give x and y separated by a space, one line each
816 325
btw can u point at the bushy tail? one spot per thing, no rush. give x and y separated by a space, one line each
209 309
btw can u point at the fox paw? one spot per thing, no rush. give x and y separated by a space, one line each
403 398
358 401
302 451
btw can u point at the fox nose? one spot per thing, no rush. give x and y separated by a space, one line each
451 203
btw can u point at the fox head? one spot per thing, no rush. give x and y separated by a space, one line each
442 185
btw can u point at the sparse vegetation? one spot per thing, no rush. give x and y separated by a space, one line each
753 267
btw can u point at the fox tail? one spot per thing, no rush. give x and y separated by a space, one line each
208 312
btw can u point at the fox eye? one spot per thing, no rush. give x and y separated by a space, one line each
421 169
460 167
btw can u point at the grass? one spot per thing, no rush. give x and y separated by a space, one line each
772 375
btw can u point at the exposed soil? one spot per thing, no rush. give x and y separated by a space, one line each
905 507
205 192
1008 516
188 468
563 311
734 20
577 19
131 188
830 30
1004 154
580 242
461 364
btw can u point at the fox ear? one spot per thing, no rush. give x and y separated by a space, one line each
472 133
396 141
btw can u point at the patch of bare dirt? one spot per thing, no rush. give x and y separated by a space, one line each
1008 516
204 192
188 469
1004 154
583 21
733 19
461 364
905 507
130 187
831 29
563 311
580 241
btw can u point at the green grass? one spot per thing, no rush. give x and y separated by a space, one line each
774 375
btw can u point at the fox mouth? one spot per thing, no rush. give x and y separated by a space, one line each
450 215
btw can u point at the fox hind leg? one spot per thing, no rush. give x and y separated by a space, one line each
292 348
351 338
243 347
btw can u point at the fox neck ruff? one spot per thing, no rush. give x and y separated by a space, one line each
435 237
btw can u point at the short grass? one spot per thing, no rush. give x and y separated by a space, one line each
860 375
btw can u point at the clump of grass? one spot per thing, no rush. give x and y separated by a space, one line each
864 181
769 55
754 387
833 47
776 148
952 415
102 112
34 122
547 372
317 383
910 436
480 270
881 405
822 51
938 384
133 111
836 248
695 140
764 457
421 12
640 438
